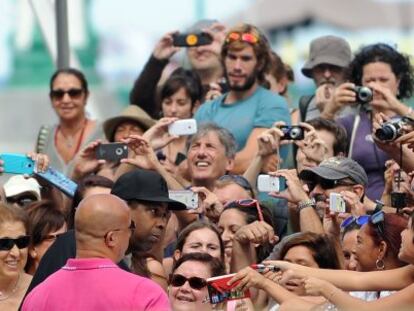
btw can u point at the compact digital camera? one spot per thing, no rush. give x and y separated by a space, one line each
192 39
292 132
112 152
391 130
364 94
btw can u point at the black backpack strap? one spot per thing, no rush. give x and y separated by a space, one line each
42 138
304 102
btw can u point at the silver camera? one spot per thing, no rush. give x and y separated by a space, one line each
364 94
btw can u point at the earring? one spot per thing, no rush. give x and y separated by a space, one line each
379 263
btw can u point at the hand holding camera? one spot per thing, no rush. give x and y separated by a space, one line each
87 162
210 204
158 134
144 157
268 142
294 191
164 49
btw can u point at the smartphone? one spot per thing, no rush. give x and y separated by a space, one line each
187 197
112 152
183 127
192 39
59 180
293 132
267 183
15 163
336 203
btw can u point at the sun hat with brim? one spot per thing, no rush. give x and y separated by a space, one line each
18 184
144 185
132 113
329 50
336 168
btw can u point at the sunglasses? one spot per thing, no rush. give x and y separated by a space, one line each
243 37
59 94
377 220
247 203
327 184
7 244
23 200
238 179
177 280
360 221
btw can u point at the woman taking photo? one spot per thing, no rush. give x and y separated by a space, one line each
389 75
61 142
14 243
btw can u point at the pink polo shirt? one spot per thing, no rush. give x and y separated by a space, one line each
96 284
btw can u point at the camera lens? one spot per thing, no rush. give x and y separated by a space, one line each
387 132
295 133
364 94
119 151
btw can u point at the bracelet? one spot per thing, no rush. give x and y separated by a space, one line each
305 204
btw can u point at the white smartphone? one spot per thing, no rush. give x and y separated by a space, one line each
337 203
267 183
187 197
183 127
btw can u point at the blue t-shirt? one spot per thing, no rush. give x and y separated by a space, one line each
261 109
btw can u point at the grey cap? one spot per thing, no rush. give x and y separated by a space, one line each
337 168
329 50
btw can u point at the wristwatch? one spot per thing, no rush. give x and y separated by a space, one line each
305 204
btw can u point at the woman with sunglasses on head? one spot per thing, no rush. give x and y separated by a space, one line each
46 222
14 243
390 78
188 285
61 142
328 282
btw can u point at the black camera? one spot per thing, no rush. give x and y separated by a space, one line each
293 132
192 39
398 200
364 94
112 152
391 130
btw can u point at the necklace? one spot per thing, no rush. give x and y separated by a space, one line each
4 297
70 140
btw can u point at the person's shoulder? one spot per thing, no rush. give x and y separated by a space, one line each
267 96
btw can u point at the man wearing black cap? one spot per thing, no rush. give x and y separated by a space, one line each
336 174
146 194
329 56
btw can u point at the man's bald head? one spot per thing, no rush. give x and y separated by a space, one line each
97 215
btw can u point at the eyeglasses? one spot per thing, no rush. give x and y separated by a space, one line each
195 282
238 179
59 94
360 221
7 244
327 184
244 37
247 203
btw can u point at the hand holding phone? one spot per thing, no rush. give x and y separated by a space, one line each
187 197
14 163
112 152
183 127
267 183
336 203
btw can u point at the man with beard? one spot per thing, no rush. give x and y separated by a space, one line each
329 56
248 108
146 194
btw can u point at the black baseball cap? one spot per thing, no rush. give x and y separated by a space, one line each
145 185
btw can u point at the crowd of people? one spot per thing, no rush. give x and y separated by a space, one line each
252 205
